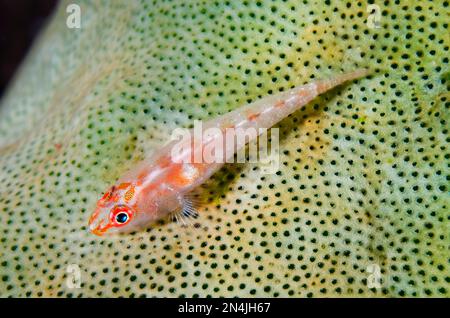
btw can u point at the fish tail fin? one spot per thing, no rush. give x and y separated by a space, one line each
327 84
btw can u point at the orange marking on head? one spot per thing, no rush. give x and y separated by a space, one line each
129 194
280 103
123 186
106 196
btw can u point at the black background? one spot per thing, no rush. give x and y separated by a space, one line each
20 22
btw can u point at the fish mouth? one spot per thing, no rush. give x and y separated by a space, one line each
97 228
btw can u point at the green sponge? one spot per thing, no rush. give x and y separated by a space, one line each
359 206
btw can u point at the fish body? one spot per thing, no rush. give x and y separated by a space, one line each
161 184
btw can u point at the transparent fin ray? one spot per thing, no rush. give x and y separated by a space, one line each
188 213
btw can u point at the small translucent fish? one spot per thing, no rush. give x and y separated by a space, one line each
162 185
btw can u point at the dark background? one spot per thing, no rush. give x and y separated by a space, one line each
20 22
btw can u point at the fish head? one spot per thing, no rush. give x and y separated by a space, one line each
115 211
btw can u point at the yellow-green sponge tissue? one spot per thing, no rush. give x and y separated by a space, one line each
359 206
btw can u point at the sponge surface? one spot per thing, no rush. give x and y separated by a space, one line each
359 205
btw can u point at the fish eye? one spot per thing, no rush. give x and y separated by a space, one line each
122 217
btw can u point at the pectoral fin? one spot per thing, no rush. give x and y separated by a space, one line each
188 212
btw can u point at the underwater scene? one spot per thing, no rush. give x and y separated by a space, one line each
350 99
